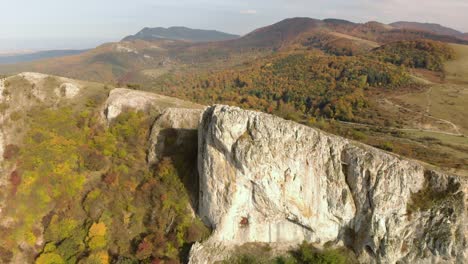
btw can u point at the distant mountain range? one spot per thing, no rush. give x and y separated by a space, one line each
430 27
301 30
27 57
155 51
180 33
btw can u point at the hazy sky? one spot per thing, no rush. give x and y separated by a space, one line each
59 24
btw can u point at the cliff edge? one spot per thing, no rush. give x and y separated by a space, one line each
265 179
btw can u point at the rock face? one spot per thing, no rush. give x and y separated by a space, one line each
68 90
121 98
264 179
175 124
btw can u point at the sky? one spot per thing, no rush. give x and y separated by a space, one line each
78 24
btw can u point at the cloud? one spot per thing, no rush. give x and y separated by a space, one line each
248 12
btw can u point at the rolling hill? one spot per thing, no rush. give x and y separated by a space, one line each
277 35
429 27
136 60
180 33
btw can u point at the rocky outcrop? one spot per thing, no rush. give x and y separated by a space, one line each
264 179
177 125
19 93
121 98
67 90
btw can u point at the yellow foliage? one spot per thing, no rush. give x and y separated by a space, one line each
97 242
103 257
97 236
30 238
49 258
97 229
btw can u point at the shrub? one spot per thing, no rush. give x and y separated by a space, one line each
358 135
97 236
307 254
11 151
49 258
93 160
388 146
15 178
243 259
425 199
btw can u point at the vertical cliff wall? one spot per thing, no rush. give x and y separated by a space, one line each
264 179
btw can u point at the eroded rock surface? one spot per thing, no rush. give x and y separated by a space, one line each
68 90
264 179
122 98
177 125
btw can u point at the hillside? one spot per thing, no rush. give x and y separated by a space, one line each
354 96
139 61
355 80
423 54
429 27
277 35
180 33
96 174
75 184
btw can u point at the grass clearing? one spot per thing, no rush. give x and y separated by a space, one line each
457 70
446 100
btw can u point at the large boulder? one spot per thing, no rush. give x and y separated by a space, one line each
265 179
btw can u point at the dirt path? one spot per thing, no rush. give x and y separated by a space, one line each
427 115
401 129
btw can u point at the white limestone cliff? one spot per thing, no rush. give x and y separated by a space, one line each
121 98
265 179
179 124
67 90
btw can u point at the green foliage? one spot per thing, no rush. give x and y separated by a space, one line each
335 45
244 259
60 229
293 85
50 258
305 254
50 169
425 199
91 189
388 146
172 224
97 238
423 54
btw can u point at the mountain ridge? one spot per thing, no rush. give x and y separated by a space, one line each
124 61
180 33
430 27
